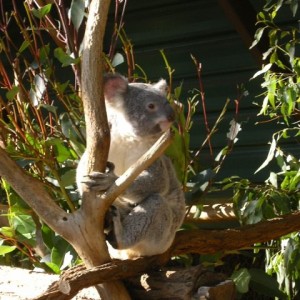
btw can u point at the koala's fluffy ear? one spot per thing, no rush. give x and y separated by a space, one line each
115 86
161 86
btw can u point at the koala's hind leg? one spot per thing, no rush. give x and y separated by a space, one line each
147 225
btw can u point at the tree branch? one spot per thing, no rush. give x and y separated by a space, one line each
211 241
123 182
84 227
190 241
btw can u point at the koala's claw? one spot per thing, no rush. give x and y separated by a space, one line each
99 181
110 167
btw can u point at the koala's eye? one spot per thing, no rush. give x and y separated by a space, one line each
151 106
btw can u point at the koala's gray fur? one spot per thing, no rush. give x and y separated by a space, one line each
147 215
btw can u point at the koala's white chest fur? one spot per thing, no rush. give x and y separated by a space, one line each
125 147
124 152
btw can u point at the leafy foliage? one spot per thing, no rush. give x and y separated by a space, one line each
42 128
281 192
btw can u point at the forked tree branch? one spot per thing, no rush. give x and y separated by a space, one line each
73 227
84 228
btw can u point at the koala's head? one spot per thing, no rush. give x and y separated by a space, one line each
144 106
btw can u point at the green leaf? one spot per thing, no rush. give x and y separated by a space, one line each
253 213
67 176
6 249
65 58
55 268
24 46
56 256
294 6
11 94
44 54
50 108
62 152
42 12
48 236
257 36
272 85
265 284
61 87
7 231
25 226
241 279
77 12
59 252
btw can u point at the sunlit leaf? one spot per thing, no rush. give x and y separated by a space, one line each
24 225
266 68
234 129
62 152
270 155
6 249
77 12
42 12
273 179
38 89
258 34
7 231
294 6
67 260
117 60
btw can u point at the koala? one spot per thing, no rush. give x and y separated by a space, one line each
145 218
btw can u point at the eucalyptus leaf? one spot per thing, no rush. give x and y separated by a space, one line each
64 58
241 279
118 59
4 249
270 155
77 12
266 68
24 46
42 11
265 284
11 94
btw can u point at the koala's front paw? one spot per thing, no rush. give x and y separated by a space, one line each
99 181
